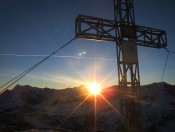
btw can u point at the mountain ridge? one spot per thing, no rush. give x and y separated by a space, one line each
34 107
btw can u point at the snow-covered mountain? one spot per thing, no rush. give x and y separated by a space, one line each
158 102
26 107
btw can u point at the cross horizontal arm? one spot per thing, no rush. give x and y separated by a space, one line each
99 29
94 28
150 37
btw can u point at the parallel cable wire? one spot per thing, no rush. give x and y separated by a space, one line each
165 66
21 75
166 62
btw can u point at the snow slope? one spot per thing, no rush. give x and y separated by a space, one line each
26 107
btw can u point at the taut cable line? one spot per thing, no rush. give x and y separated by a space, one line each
168 52
21 75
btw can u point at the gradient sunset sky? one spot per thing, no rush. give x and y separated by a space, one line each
38 27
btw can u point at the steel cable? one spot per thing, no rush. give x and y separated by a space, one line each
21 75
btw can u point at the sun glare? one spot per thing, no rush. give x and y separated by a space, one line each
94 88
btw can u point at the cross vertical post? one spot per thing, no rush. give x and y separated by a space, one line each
128 67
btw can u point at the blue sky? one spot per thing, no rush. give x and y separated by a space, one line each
38 27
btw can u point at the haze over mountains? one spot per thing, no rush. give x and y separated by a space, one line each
26 107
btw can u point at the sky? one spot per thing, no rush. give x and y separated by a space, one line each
31 29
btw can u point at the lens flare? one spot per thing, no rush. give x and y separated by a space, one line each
94 88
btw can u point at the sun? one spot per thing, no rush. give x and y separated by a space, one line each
94 88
